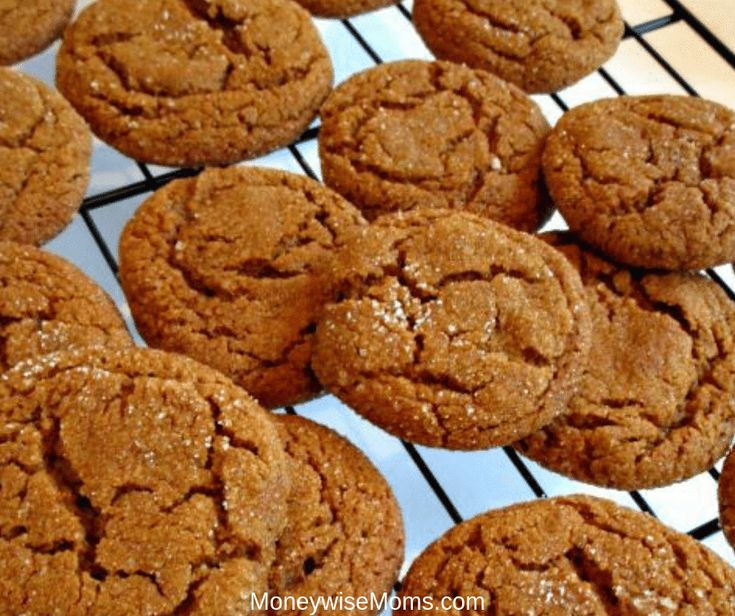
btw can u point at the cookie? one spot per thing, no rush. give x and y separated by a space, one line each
195 82
344 534
227 268
44 160
648 180
656 403
29 26
135 482
435 134
570 555
539 45
453 331
47 304
342 8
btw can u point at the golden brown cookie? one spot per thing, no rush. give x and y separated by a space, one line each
47 304
453 331
342 8
344 534
656 403
44 159
134 482
195 82
539 45
726 496
648 180
227 268
435 134
29 26
571 555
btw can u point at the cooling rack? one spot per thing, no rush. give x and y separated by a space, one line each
670 46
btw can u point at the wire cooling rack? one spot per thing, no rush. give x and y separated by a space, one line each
670 46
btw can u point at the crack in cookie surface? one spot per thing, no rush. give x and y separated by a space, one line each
451 330
648 180
138 483
541 46
573 555
195 82
345 534
434 134
44 160
47 305
654 405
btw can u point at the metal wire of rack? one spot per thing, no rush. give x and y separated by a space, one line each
436 489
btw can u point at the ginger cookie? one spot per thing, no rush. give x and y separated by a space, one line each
342 8
195 82
227 268
44 159
656 402
344 534
570 555
439 135
539 45
649 181
47 304
29 26
452 330
134 482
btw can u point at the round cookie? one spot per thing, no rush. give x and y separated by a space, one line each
539 45
571 555
453 331
227 268
344 534
29 26
342 8
650 181
195 82
44 160
435 134
47 305
655 404
134 482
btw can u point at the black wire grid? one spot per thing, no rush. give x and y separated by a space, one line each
679 13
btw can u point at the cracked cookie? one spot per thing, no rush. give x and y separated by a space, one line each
195 82
655 404
342 8
29 26
539 45
435 134
44 159
344 533
451 330
134 482
47 304
726 496
227 268
571 555
649 180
